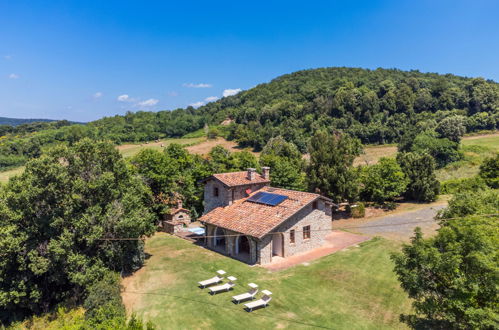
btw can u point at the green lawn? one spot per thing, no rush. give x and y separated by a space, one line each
353 289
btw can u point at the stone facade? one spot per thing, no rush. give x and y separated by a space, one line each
175 221
320 222
232 243
217 194
317 215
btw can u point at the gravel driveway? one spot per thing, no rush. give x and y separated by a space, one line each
397 226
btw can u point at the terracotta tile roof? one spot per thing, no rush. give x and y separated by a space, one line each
257 219
232 179
176 210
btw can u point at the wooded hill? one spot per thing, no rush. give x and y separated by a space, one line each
375 105
378 106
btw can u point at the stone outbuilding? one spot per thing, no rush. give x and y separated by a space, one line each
248 220
176 219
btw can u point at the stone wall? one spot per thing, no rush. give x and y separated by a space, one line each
225 195
320 226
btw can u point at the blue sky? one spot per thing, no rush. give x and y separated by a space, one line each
81 60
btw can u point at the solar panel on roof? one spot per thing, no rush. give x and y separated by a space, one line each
267 198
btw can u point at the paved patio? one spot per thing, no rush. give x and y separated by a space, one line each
335 241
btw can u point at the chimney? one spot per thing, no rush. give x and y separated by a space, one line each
266 172
251 174
179 204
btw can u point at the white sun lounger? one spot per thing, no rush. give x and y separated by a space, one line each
264 301
224 287
247 295
213 280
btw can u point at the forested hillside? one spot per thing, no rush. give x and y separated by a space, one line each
19 121
377 106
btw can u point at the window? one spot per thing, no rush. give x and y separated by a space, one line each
306 232
314 205
292 236
215 192
180 216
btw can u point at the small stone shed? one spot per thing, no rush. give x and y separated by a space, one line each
176 219
256 232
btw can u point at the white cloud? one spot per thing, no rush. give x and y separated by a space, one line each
211 98
148 103
13 76
124 98
97 95
230 92
201 85
196 104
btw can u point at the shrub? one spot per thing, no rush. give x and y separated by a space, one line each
454 186
213 133
489 171
357 210
104 299
471 202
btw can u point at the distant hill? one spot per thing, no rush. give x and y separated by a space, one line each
20 121
377 106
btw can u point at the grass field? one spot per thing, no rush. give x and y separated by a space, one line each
130 150
352 289
475 149
6 175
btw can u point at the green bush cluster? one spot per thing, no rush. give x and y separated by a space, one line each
461 185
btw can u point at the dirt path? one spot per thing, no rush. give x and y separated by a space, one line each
398 225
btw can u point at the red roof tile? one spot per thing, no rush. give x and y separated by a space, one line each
258 219
232 179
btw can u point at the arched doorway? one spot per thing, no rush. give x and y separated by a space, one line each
219 240
243 245
242 248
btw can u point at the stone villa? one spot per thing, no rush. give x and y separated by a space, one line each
247 219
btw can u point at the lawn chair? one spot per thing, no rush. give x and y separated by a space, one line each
213 280
263 302
247 295
224 287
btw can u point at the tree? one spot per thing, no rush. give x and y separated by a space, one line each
330 169
286 164
452 277
53 219
452 128
420 170
443 150
489 171
383 181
